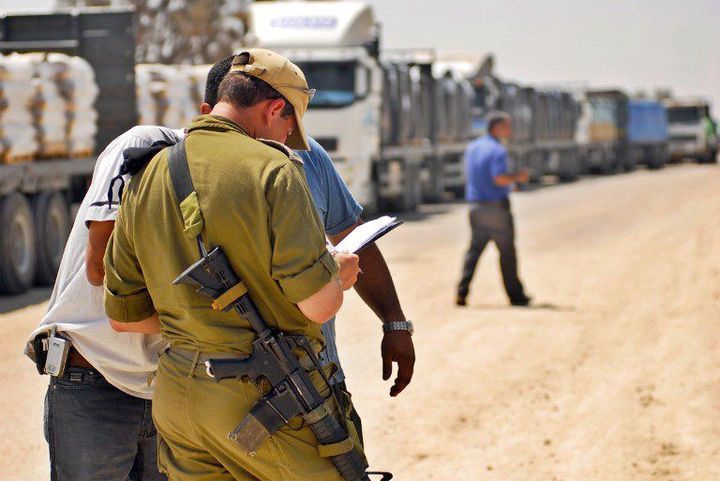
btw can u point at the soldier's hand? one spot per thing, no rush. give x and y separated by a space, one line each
349 268
397 346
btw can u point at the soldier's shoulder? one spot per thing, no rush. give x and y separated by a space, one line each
287 152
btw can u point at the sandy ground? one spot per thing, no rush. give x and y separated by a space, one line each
613 376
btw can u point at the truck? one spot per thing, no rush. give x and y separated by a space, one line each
395 125
647 133
617 132
544 123
36 197
693 132
605 123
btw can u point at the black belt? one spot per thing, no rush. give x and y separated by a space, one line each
505 203
75 359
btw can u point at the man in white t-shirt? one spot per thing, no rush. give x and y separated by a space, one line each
98 420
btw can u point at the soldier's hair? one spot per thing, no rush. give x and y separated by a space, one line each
214 77
245 91
496 117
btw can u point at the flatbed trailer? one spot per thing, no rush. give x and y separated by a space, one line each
36 196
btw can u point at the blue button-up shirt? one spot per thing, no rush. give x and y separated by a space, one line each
485 159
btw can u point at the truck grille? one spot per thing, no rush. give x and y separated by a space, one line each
683 138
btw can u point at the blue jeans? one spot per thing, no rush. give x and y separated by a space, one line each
96 432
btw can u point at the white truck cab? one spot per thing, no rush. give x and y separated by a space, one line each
335 44
693 133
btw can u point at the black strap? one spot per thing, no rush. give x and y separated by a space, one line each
180 171
134 160
181 180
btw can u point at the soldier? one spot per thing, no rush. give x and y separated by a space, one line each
255 203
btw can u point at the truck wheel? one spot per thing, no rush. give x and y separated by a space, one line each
412 194
657 159
710 158
52 225
17 245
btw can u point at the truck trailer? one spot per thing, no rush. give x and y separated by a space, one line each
36 196
647 133
543 141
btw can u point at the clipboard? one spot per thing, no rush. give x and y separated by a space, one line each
367 233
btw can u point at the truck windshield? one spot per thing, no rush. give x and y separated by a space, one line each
604 110
684 115
334 82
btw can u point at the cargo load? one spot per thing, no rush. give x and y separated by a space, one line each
48 106
17 128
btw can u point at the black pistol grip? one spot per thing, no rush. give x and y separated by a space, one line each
221 369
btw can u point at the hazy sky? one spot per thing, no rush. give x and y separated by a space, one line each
628 43
635 44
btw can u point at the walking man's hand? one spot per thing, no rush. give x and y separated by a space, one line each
397 346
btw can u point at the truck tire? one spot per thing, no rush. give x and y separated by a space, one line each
52 226
412 196
657 158
17 245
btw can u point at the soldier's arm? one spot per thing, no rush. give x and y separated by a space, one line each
150 325
128 304
324 304
376 288
301 264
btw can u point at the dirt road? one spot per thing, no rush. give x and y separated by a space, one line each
613 376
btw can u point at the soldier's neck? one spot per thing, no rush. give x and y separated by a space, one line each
239 117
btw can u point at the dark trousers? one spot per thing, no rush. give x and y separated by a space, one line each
493 221
96 432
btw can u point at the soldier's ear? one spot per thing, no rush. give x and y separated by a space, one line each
273 110
205 108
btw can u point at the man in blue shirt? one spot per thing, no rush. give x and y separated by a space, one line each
488 187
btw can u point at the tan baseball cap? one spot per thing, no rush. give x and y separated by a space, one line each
285 77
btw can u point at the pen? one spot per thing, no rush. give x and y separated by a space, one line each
333 251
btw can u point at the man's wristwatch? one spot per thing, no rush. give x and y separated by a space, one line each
399 326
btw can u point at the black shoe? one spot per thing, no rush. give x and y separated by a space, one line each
460 301
521 302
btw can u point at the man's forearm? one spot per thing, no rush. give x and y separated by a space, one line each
151 325
376 288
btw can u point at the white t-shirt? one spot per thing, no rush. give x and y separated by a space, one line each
76 307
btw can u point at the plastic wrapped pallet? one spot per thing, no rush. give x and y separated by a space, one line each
169 95
49 107
181 107
146 104
18 139
80 91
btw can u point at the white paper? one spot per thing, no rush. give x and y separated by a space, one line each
362 233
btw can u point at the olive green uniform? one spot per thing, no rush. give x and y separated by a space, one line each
256 205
